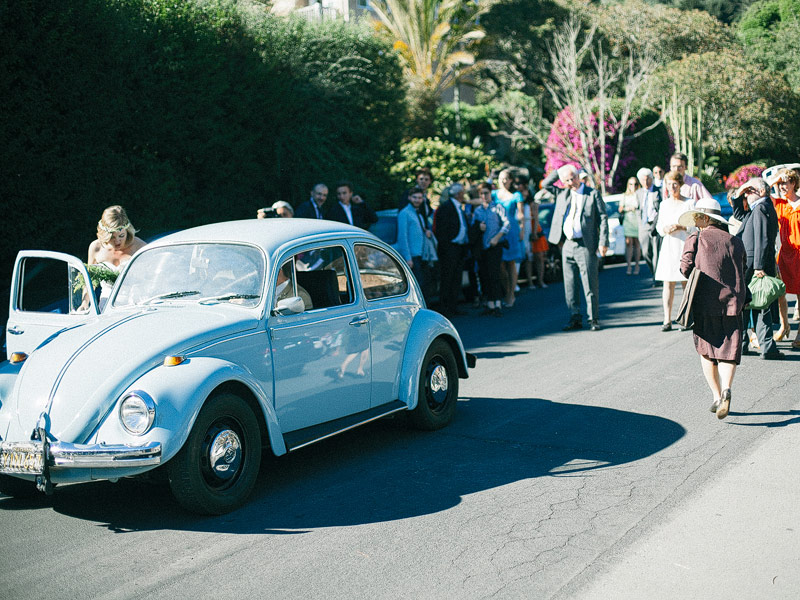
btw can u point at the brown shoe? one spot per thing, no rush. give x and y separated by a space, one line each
724 404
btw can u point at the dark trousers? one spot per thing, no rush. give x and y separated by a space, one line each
420 272
580 267
490 264
451 265
650 245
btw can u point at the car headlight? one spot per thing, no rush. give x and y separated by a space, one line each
137 411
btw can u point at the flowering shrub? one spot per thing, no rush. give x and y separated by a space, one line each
742 174
564 130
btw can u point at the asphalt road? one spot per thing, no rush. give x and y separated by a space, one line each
569 454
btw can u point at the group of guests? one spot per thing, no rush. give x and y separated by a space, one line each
487 230
349 208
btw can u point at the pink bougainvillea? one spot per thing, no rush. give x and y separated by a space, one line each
564 131
563 134
740 176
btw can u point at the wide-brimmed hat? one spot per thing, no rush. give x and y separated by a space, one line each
704 206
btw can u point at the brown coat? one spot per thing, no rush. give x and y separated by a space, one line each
720 257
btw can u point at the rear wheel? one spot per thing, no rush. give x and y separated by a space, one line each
217 467
438 388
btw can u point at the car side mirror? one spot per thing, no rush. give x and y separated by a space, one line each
289 306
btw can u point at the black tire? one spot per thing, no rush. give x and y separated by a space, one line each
214 488
438 388
17 488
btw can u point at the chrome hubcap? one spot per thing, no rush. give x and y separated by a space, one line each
225 454
439 379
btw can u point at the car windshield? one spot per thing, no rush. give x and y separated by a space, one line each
200 273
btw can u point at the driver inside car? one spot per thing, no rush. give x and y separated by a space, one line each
284 289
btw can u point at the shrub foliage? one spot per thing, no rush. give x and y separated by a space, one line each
185 112
448 162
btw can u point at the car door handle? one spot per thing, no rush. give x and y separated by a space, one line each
15 331
359 321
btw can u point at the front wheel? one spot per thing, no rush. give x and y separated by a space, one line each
438 388
217 467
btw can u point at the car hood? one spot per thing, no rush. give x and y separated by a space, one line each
86 368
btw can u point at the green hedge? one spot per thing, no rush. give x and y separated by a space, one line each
183 112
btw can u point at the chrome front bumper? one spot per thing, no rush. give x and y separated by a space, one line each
99 456
35 458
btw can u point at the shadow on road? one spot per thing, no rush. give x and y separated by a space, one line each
795 414
384 471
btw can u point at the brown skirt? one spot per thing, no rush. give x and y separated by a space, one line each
718 337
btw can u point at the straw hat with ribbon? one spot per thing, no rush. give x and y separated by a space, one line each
704 206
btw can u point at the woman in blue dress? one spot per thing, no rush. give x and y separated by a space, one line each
513 203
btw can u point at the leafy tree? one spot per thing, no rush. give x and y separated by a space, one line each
514 50
770 31
747 112
668 33
726 11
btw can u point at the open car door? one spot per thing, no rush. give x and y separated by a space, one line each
50 292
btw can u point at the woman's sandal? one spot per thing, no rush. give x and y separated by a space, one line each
796 344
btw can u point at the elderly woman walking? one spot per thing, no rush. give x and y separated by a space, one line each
718 299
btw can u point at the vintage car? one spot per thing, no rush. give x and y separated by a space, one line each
215 343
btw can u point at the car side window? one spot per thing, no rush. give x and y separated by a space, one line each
322 275
381 275
52 286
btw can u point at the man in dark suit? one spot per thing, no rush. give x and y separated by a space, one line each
451 229
649 197
312 208
350 208
753 207
580 228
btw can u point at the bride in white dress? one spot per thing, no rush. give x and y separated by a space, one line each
116 243
674 235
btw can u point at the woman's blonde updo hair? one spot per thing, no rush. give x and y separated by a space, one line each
115 219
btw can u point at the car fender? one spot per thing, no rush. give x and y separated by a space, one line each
179 392
427 327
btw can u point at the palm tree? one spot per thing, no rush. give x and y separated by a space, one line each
434 39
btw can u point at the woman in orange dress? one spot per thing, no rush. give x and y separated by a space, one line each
788 209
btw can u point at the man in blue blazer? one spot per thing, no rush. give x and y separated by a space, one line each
580 229
753 207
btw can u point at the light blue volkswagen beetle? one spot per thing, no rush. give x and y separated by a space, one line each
215 342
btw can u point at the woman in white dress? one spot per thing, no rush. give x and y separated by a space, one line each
674 235
116 243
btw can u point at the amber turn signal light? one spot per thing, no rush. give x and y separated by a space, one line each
173 361
17 357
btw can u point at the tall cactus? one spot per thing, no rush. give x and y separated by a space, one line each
686 123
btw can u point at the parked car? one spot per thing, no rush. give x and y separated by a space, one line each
216 341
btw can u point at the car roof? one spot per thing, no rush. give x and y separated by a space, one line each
267 233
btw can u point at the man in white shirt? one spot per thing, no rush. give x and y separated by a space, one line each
580 228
